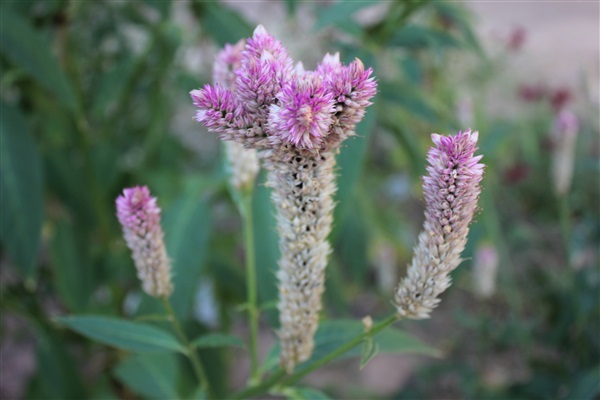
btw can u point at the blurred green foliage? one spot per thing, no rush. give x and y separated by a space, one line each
94 99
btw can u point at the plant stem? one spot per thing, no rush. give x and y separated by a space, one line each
253 311
565 223
191 352
375 329
290 380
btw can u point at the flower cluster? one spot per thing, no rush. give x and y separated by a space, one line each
269 102
296 119
451 193
139 217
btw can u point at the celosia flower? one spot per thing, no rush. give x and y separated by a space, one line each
304 113
566 127
297 120
451 193
139 217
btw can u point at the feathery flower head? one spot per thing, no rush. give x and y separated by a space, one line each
265 65
226 61
139 217
451 193
330 65
352 87
304 113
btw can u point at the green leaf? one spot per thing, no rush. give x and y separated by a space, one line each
224 24
217 340
123 334
111 86
60 378
339 12
417 37
265 247
350 162
409 98
187 228
305 393
71 269
29 50
334 333
369 350
586 386
151 375
21 190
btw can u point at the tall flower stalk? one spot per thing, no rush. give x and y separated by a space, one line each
139 216
296 119
451 192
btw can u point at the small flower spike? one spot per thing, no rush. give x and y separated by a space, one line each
139 217
451 193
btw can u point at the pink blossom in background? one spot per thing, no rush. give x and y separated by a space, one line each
139 217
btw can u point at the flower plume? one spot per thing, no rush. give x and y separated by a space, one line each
139 217
451 192
296 119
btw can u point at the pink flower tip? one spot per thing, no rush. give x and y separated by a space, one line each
136 206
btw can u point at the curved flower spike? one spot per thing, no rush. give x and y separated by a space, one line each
451 193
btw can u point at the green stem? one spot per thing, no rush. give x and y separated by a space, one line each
375 329
253 311
565 223
274 379
191 352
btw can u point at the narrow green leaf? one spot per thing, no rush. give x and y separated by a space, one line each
123 334
29 50
305 393
339 12
217 340
334 333
199 394
21 194
151 375
409 98
417 37
187 229
266 248
216 17
350 162
70 267
369 350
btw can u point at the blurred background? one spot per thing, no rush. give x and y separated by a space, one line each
94 98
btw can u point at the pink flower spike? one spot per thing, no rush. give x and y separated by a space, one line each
451 192
139 217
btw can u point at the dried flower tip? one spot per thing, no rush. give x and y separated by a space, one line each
451 193
139 217
485 268
566 127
